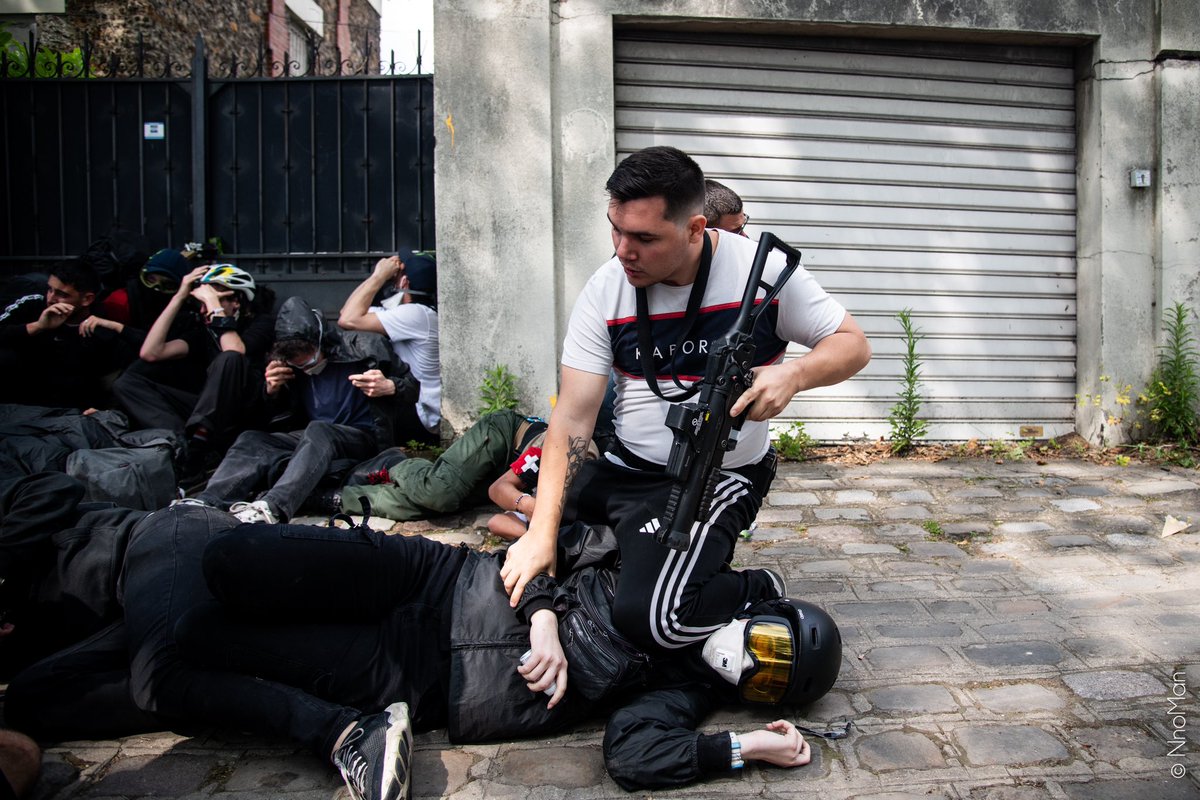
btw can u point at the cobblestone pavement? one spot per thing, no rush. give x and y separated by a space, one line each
1011 631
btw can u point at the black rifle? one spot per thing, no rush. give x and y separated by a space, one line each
704 430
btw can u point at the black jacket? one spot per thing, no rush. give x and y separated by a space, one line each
488 699
39 439
60 565
297 320
57 367
651 740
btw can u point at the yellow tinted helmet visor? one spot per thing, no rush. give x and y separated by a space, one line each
770 645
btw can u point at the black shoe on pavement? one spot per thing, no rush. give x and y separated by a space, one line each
777 579
326 503
197 467
375 756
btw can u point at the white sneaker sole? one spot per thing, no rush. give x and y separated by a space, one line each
397 748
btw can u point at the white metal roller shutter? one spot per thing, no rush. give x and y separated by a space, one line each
928 176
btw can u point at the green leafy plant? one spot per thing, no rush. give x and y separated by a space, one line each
907 426
1172 397
498 390
414 448
46 63
794 443
933 530
1014 450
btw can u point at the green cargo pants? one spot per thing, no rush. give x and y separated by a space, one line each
461 476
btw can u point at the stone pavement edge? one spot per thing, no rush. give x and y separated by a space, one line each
1011 630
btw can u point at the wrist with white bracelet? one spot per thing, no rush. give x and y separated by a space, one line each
735 756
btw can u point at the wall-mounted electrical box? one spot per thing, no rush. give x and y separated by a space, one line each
1139 178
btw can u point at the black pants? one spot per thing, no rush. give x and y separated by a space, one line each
358 618
99 689
667 599
292 464
226 403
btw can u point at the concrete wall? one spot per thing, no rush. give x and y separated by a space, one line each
528 88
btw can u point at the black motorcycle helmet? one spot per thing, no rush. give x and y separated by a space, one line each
797 652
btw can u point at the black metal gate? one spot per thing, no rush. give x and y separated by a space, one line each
305 180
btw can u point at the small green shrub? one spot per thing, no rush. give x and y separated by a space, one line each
907 426
794 443
1172 397
498 390
415 449
1014 450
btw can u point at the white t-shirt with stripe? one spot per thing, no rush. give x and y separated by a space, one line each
602 337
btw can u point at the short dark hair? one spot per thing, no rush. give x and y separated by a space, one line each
660 172
719 200
291 349
78 275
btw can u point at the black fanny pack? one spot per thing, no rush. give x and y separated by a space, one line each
601 660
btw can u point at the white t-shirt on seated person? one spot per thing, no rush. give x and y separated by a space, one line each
602 337
413 329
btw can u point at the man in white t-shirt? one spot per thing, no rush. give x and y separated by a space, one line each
409 318
669 599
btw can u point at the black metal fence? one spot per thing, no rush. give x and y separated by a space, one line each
306 181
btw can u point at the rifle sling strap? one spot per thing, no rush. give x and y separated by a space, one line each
646 344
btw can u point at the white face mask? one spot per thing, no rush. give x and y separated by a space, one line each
391 302
317 368
725 651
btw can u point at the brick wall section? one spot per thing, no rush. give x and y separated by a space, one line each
343 29
363 24
232 29
277 29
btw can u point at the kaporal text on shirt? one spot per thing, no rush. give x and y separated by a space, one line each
688 347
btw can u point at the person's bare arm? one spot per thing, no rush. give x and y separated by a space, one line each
509 493
356 311
838 356
563 453
779 743
157 347
506 525
88 326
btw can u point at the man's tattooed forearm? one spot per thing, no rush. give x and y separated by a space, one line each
577 453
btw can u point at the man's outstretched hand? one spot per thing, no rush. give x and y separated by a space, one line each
526 558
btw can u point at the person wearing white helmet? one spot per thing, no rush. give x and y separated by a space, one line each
203 380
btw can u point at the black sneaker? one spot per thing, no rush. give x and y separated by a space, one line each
199 465
326 503
778 580
374 758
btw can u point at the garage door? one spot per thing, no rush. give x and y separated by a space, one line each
933 177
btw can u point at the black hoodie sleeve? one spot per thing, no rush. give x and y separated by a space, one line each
16 316
258 336
539 593
408 388
652 743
